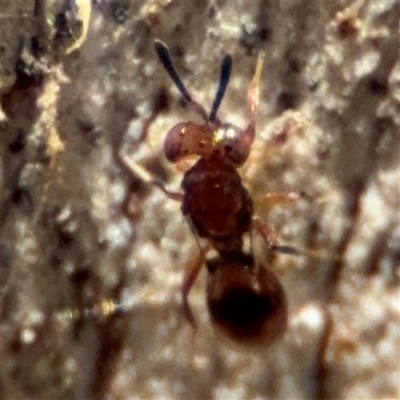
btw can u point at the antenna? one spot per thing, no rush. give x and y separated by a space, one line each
165 57
226 69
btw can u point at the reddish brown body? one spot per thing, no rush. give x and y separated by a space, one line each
218 206
246 301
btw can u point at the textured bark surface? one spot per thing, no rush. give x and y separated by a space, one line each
92 259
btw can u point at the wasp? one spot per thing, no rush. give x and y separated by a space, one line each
246 301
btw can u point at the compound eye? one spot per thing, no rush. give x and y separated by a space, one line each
232 141
234 153
173 143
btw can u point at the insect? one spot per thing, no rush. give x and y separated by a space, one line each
246 301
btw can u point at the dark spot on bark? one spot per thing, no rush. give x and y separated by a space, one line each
37 46
347 28
377 87
264 34
43 155
252 40
286 101
161 101
178 51
313 86
211 12
65 239
68 26
294 66
28 74
80 277
119 11
21 197
382 124
18 143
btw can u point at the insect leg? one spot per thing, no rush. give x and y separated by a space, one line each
245 138
253 94
145 176
270 239
189 279
253 99
272 200
278 198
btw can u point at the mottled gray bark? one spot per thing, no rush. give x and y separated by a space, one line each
92 259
